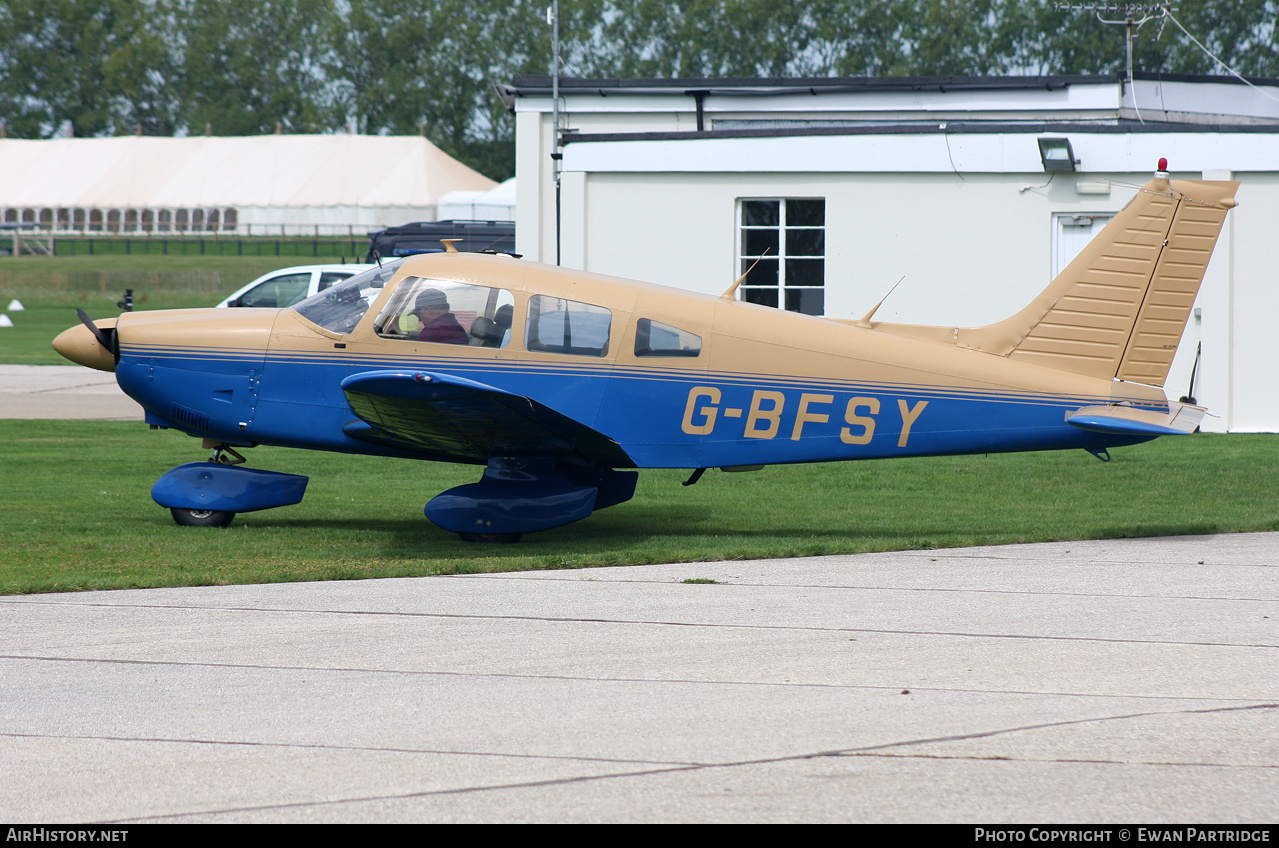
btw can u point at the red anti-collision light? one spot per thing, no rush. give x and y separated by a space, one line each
1163 164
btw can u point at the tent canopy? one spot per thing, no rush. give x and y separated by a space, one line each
272 171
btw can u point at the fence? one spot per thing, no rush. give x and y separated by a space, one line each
350 247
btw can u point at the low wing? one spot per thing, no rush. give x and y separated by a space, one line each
459 420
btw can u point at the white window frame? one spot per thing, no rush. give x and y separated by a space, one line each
745 260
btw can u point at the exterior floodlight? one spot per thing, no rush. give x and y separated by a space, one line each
1057 155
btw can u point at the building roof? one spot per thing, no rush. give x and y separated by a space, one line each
539 85
1170 100
281 171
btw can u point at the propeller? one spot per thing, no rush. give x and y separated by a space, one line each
93 328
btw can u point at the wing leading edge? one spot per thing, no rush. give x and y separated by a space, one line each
459 420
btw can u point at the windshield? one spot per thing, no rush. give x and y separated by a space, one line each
341 307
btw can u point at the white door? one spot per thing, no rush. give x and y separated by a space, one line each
1071 232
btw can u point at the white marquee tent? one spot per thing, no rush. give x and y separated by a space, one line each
497 204
273 184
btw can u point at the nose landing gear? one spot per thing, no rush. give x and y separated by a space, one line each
209 494
201 517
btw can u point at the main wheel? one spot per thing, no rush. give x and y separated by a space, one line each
498 538
201 517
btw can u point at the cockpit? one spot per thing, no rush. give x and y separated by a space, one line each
447 312
450 312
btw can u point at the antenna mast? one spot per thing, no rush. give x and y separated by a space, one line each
553 14
1130 11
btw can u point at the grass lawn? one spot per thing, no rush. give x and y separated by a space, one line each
76 511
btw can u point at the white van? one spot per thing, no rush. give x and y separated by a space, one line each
288 286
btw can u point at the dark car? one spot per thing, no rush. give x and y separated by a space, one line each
427 237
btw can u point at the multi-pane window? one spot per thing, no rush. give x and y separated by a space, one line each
790 236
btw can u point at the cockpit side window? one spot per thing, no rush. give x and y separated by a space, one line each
653 338
556 325
339 308
447 312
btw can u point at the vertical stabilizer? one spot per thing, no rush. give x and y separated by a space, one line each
1118 310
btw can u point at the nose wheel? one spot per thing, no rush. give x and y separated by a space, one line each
201 517
491 538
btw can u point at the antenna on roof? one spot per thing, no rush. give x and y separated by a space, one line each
732 290
1130 11
865 322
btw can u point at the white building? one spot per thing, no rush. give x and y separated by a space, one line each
936 182
250 185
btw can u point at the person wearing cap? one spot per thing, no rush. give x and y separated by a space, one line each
438 323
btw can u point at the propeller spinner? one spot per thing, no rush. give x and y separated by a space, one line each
90 344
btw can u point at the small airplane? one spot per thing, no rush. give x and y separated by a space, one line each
561 383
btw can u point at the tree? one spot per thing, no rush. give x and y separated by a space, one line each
1041 38
404 66
103 66
248 66
429 66
766 38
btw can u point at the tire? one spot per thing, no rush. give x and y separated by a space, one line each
492 538
201 517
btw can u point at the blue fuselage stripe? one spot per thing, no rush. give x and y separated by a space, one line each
660 417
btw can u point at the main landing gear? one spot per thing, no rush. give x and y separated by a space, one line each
519 495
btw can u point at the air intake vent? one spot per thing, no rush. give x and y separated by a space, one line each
189 418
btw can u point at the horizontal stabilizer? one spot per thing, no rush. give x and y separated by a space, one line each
1127 421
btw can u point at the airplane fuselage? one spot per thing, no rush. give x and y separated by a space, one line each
271 377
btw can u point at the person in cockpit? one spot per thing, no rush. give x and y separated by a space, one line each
437 321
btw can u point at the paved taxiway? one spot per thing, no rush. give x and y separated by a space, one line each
1116 681
63 391
1107 681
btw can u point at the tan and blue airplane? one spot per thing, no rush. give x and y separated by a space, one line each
561 382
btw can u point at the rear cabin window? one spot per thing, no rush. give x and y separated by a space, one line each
653 338
556 325
447 312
